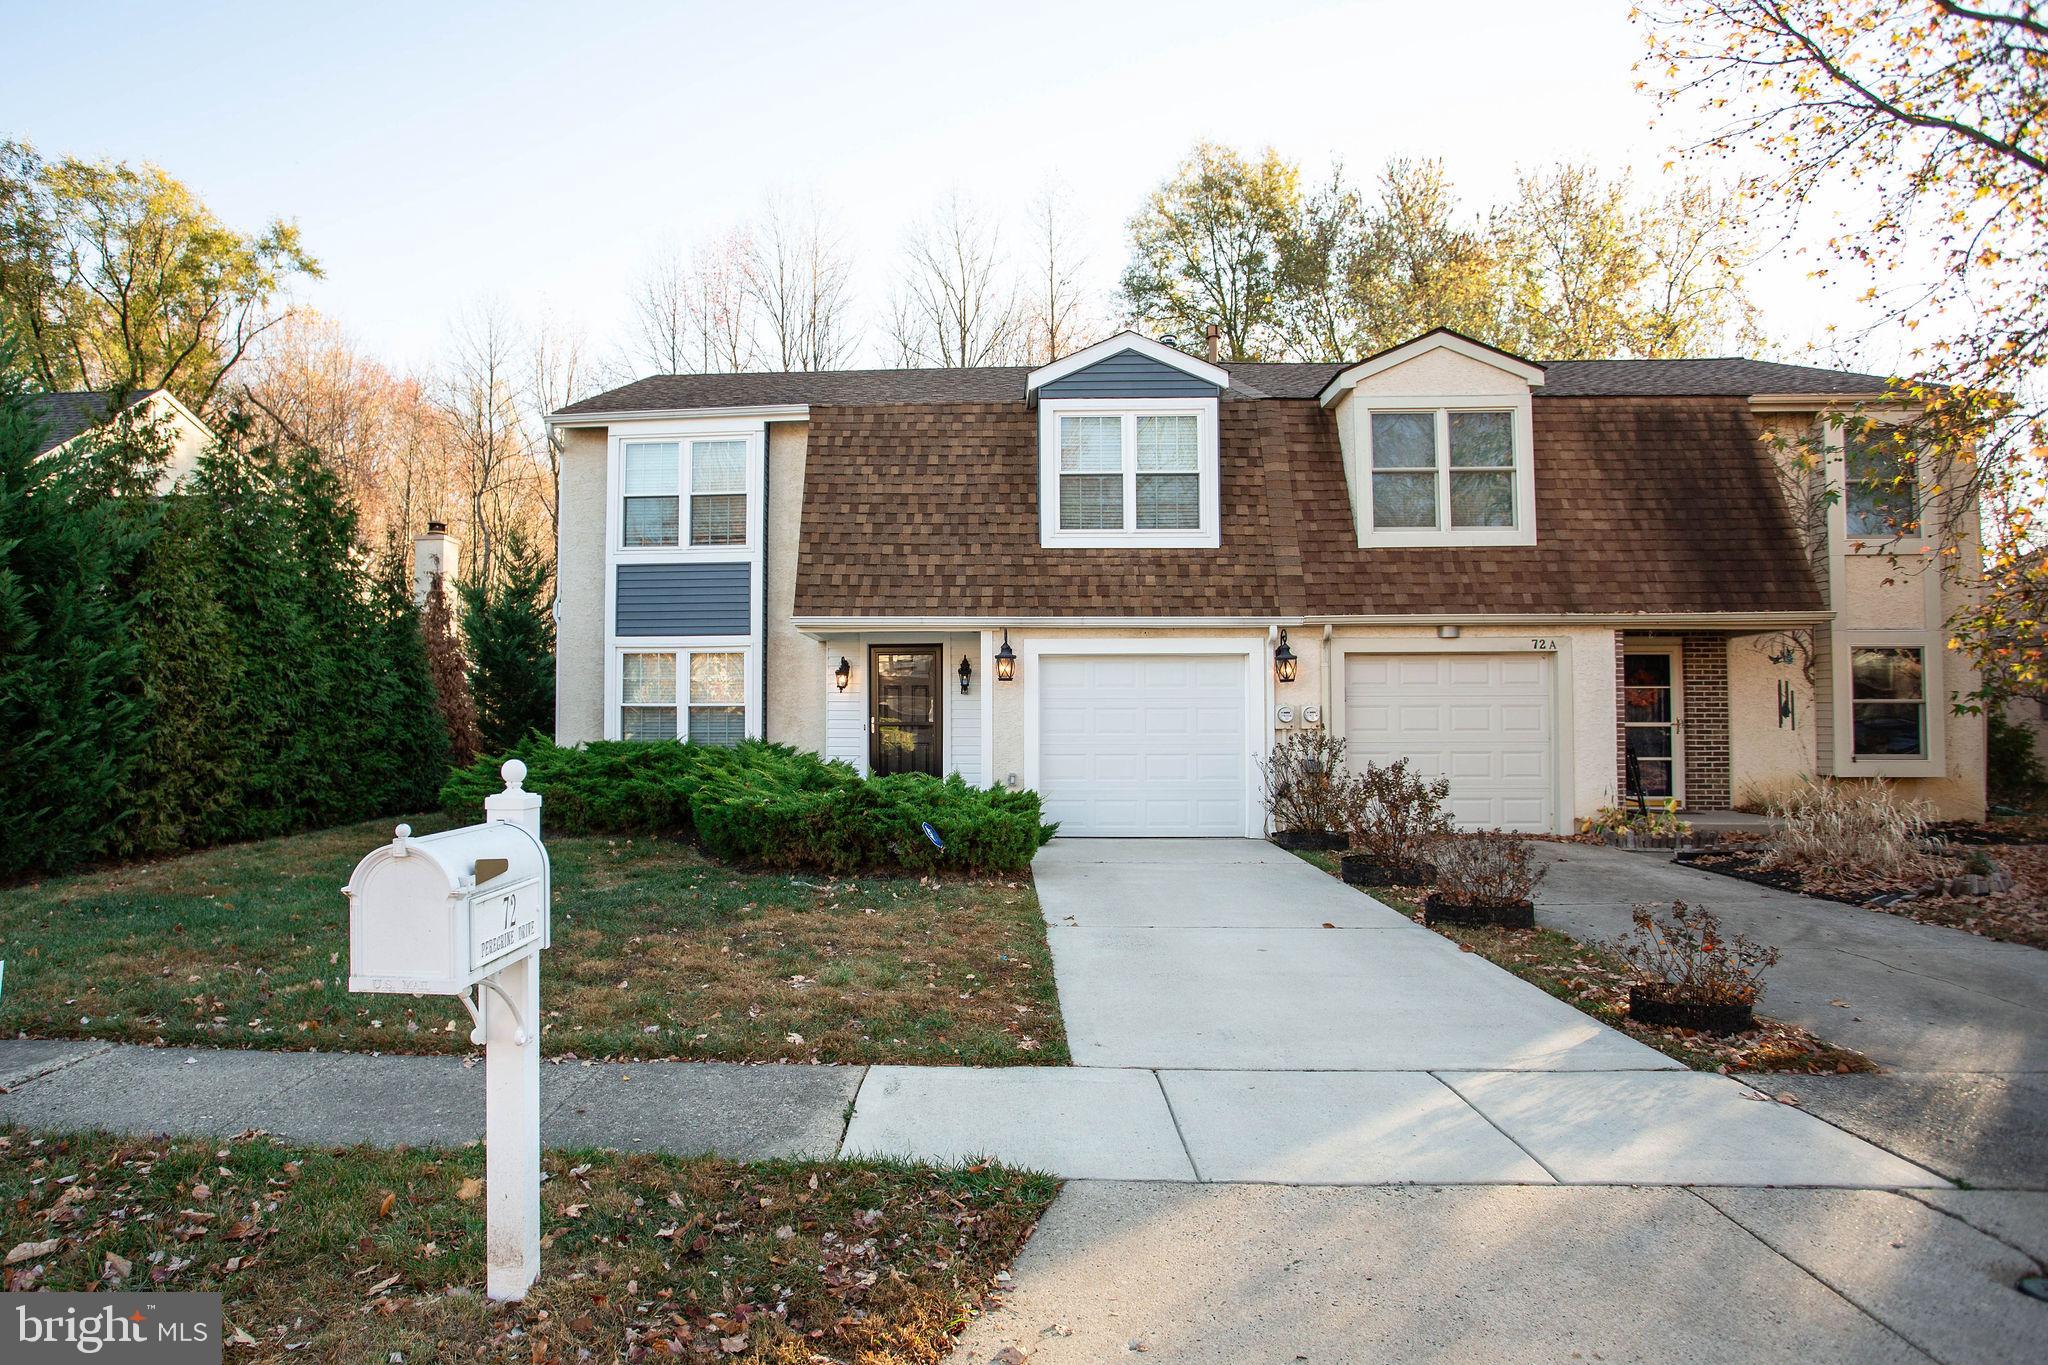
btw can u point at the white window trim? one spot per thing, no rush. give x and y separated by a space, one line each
1836 441
1933 706
1522 408
683 647
615 537
1033 650
1206 535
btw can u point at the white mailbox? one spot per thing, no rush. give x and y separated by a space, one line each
437 914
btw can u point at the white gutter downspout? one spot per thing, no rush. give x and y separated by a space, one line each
1329 716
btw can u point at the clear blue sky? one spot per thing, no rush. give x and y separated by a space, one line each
438 154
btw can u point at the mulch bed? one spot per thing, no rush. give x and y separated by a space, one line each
2016 916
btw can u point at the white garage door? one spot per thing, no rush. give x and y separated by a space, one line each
1482 720
1140 744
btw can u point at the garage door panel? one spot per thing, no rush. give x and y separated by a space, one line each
1482 720
1143 745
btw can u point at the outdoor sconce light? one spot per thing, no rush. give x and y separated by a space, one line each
1006 660
1283 660
843 674
966 672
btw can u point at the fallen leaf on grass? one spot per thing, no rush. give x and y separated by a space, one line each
116 1267
28 1251
732 1346
374 1290
469 1189
385 1205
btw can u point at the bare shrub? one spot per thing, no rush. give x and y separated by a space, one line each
1685 952
1394 814
1305 781
1855 829
1488 870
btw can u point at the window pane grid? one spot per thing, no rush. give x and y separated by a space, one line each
718 519
1091 445
713 711
1881 493
1166 445
1092 502
652 468
718 467
1887 702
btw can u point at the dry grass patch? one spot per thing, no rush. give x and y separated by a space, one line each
658 953
366 1255
1595 980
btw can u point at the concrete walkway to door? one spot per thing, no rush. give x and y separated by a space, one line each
1237 1015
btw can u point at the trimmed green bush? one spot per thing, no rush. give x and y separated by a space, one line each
767 805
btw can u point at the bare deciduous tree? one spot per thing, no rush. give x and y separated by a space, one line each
661 311
957 301
560 373
499 477
1058 313
799 275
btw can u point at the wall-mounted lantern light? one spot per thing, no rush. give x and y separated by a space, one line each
843 674
1284 662
966 673
1006 660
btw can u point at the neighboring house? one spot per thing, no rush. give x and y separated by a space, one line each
1080 578
67 416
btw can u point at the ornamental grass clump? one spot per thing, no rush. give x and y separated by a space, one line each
1683 956
1855 831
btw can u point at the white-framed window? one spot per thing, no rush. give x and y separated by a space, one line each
658 478
1129 472
1888 701
1880 491
695 694
1447 474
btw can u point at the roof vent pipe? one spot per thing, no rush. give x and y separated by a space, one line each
1212 348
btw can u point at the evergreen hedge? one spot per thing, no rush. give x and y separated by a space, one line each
767 805
218 663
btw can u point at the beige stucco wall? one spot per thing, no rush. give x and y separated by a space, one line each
1766 756
579 590
793 682
1440 373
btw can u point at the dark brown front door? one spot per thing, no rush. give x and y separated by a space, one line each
904 702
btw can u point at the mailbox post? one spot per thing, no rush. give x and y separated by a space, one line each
466 913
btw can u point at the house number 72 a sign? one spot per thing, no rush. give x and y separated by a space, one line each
1543 644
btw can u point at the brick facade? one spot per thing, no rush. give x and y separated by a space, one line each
1705 672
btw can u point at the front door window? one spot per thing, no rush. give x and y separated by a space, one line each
904 728
1650 718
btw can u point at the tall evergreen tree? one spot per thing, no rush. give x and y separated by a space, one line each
511 631
70 719
404 754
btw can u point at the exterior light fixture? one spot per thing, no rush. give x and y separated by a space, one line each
1447 632
1284 662
1006 660
966 672
843 674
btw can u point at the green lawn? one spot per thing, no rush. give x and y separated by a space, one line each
658 952
365 1255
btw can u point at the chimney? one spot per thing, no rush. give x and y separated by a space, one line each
1214 347
434 555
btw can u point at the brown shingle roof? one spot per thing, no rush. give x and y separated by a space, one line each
1723 377
1643 506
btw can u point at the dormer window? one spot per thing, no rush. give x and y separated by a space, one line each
1128 447
1415 488
1438 444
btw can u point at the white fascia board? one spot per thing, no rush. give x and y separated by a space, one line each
780 412
1127 341
1529 374
170 400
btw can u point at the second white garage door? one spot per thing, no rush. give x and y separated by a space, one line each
1139 744
1483 720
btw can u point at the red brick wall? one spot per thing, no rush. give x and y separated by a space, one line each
1705 671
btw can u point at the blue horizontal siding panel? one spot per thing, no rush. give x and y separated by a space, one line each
685 599
1128 375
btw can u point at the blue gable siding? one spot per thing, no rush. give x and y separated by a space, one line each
685 599
1128 375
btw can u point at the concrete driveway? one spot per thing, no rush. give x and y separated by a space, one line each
1958 1023
1230 954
